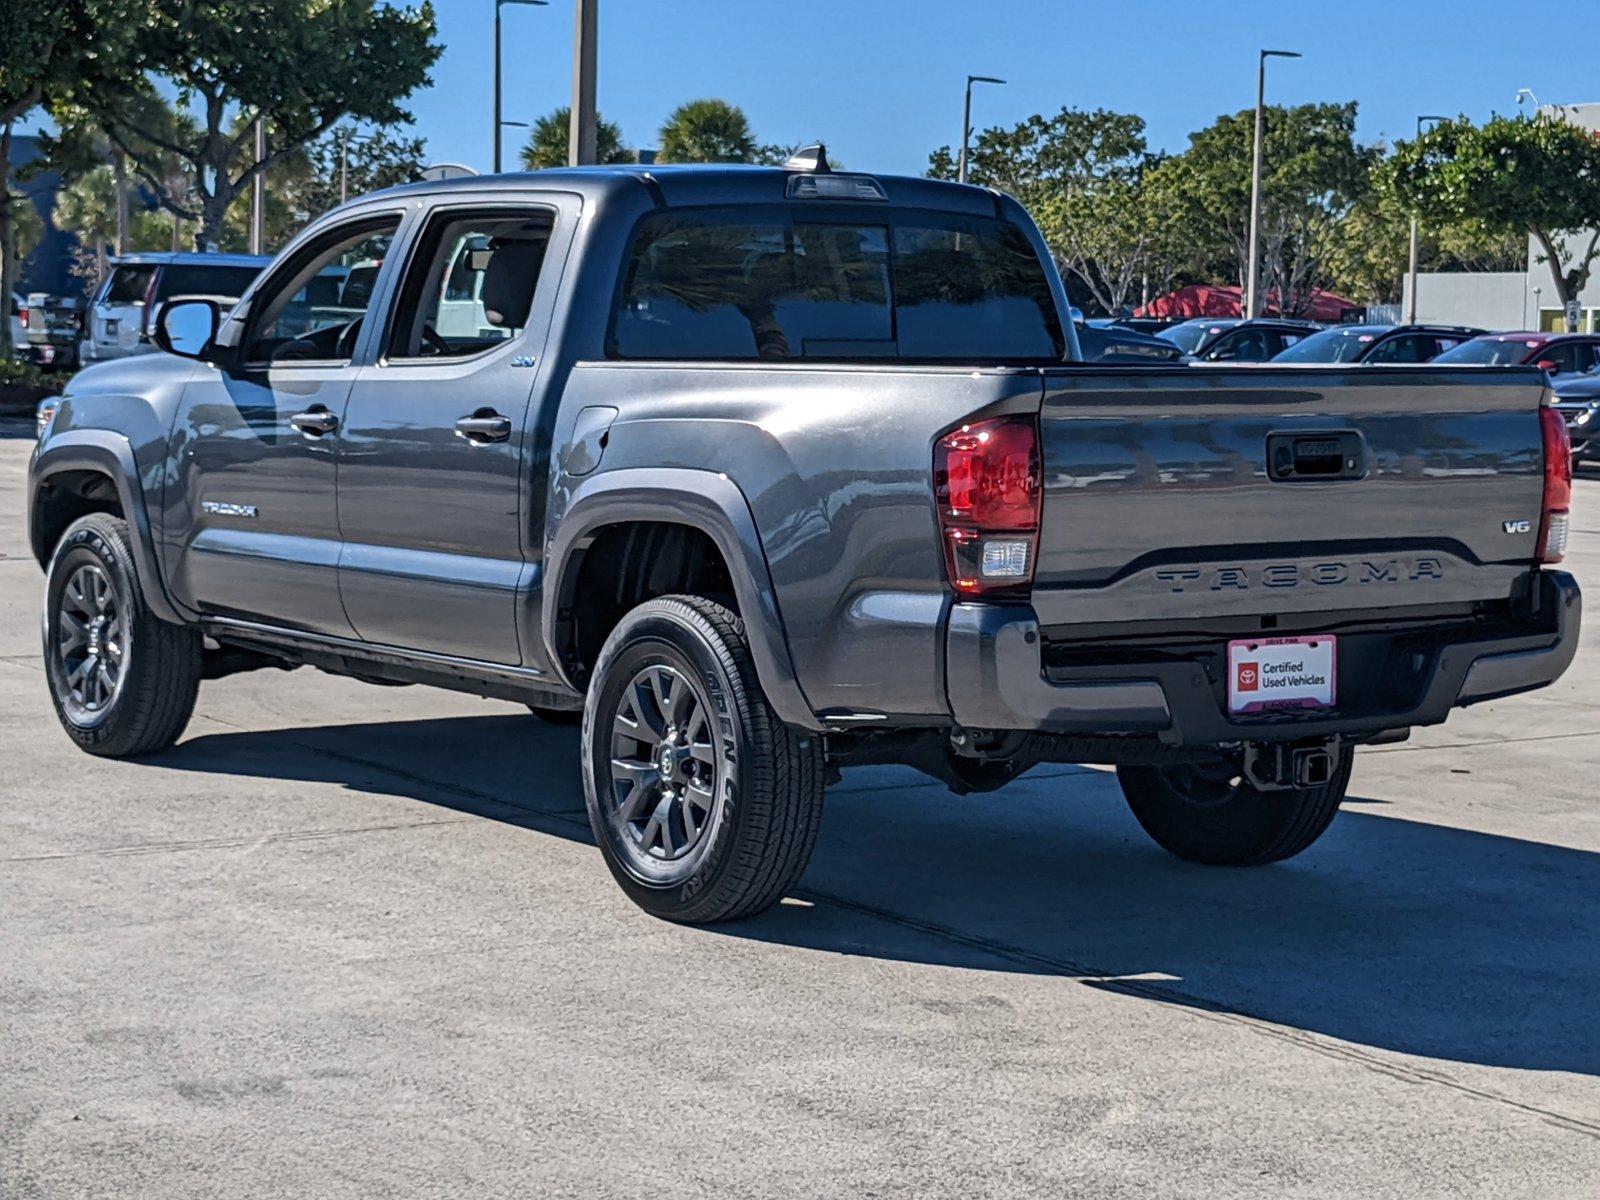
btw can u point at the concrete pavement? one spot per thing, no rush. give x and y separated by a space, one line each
354 941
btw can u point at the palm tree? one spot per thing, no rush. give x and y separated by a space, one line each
708 131
549 138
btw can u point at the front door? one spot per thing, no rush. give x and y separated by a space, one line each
254 523
434 462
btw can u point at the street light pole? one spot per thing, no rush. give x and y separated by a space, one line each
1416 241
583 134
498 5
1252 301
258 195
966 123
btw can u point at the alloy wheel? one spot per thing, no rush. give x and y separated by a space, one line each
664 751
91 640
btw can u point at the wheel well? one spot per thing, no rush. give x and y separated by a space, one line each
62 499
625 565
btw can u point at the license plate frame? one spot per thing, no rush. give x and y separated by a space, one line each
1283 674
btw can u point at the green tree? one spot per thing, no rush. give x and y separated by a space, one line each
46 52
1080 173
552 133
1314 176
706 131
383 157
88 207
1534 174
302 66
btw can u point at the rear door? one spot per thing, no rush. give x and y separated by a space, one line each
434 504
1173 495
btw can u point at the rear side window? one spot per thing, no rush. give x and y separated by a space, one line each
192 279
129 284
781 283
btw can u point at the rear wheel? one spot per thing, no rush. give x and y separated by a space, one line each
704 804
123 681
1209 813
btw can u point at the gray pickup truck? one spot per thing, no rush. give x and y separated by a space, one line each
763 473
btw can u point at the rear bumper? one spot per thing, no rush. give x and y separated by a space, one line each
996 679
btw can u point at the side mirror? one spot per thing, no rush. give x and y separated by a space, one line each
1544 364
188 328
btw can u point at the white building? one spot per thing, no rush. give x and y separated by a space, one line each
1511 299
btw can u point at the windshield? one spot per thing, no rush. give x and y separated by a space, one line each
1486 352
1186 337
1331 346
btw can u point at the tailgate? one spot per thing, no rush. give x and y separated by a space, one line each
1171 494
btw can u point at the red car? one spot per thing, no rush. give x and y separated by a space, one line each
1558 353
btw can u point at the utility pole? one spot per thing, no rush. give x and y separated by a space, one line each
258 195
966 124
1252 301
1416 243
582 135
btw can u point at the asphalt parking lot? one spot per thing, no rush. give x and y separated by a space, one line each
352 941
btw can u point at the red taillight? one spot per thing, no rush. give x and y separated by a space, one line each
986 477
1557 486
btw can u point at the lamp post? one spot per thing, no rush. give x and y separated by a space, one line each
1416 238
515 125
498 5
345 138
1252 305
966 123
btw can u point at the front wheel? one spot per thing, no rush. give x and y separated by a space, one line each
122 680
1209 813
705 805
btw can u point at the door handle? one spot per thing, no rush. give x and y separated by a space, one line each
315 421
483 427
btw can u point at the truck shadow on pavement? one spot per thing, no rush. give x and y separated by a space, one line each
1393 934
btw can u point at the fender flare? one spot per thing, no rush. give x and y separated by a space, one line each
111 455
704 500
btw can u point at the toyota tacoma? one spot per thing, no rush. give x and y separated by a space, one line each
761 473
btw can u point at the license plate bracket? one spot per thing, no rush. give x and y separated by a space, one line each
1282 674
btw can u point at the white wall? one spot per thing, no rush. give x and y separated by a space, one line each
1486 299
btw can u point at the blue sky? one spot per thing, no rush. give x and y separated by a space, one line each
880 80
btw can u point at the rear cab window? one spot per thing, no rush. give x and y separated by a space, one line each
776 282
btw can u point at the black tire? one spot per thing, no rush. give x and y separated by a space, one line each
136 689
1210 815
748 788
557 716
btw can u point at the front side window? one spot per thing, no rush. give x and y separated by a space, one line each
782 283
471 284
313 312
1406 348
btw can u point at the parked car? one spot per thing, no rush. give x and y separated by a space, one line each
1557 353
19 322
1234 339
759 519
1150 325
1384 344
1115 344
125 304
1578 402
54 329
